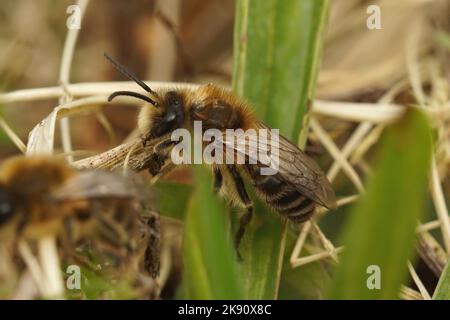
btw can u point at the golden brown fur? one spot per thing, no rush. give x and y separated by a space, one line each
201 96
30 180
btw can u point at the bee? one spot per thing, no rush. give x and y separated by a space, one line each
294 191
42 196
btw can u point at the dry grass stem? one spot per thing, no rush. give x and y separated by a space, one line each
336 154
418 282
407 293
441 207
431 253
12 135
51 267
33 266
64 75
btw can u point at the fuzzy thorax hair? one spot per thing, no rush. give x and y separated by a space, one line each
195 98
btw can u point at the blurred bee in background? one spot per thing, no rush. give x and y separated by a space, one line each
294 190
41 195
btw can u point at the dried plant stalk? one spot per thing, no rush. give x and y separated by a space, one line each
431 253
418 282
407 293
115 158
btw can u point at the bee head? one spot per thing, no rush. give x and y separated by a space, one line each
6 206
170 105
170 115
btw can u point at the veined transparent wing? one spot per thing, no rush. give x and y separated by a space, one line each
268 149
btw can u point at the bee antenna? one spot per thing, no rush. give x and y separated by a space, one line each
130 75
133 94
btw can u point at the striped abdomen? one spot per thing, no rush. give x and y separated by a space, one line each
281 196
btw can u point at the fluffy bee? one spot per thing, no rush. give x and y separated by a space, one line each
41 195
294 191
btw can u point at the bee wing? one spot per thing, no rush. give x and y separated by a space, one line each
291 165
95 185
298 169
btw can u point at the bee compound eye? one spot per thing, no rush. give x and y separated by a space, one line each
6 207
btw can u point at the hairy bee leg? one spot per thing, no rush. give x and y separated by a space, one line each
243 222
161 147
247 216
218 179
163 171
155 162
153 246
146 138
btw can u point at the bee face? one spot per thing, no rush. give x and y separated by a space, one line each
166 111
169 116
6 206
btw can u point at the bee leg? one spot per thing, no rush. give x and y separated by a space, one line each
146 138
153 248
162 146
245 199
155 162
243 222
218 179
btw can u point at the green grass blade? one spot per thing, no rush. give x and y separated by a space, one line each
381 228
277 46
210 268
442 291
173 198
277 52
306 282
